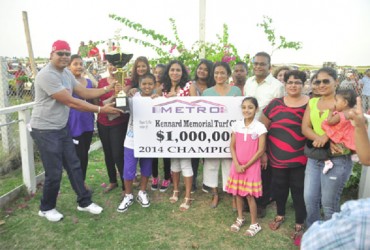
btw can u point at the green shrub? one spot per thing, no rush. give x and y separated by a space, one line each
354 179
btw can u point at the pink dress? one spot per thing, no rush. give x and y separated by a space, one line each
343 132
246 146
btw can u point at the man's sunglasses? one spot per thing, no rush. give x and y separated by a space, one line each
59 53
325 81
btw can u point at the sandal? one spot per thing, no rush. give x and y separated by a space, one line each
186 204
110 187
237 225
175 197
253 230
298 231
215 200
274 225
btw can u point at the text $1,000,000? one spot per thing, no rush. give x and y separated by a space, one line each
192 136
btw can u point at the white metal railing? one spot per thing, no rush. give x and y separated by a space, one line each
26 145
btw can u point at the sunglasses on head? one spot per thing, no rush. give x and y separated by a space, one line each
325 81
60 53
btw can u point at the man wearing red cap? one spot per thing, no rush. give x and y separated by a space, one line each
54 85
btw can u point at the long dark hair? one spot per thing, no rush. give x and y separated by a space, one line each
166 77
210 80
134 76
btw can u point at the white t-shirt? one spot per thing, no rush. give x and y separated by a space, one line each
129 140
255 129
264 92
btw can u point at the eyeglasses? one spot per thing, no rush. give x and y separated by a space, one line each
325 81
295 83
262 64
60 53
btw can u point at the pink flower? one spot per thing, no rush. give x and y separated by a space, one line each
228 59
103 185
172 48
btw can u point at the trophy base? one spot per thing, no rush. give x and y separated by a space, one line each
122 103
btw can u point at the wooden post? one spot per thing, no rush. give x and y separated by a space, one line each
29 44
202 26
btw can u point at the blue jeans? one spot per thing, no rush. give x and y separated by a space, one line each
57 151
325 189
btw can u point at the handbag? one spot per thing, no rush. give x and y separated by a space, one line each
320 154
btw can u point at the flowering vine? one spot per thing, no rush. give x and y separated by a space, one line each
222 50
168 49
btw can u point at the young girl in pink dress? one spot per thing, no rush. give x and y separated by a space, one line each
338 127
247 145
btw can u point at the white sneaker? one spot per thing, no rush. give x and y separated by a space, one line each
51 215
127 201
92 208
143 198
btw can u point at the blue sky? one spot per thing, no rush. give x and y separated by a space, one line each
329 30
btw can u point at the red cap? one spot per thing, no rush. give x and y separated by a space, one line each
60 45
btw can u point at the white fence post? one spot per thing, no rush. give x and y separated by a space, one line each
364 185
26 147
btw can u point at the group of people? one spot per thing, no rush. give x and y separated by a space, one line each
361 85
22 74
285 141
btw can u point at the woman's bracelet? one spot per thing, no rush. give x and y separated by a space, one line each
98 109
106 90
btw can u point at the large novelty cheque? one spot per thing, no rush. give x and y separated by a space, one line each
184 127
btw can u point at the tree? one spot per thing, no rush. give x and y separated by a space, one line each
168 49
271 37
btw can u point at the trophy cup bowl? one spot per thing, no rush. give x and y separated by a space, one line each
119 61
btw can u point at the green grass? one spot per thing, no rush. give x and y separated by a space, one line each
161 225
14 179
